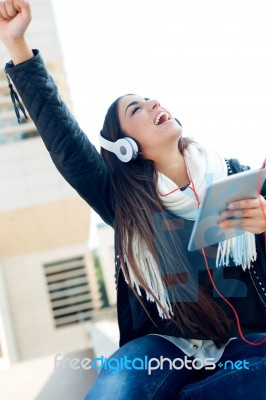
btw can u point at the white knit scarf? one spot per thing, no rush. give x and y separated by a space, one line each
204 166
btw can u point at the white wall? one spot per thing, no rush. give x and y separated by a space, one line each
7 334
29 305
28 176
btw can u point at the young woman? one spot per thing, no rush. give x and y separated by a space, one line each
177 335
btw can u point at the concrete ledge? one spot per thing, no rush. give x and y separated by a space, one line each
24 380
105 338
70 380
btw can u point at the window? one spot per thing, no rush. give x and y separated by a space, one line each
69 291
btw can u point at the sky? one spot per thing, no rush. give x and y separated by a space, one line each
203 60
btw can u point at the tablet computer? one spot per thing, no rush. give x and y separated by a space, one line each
243 185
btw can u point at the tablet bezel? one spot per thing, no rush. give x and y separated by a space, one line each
243 185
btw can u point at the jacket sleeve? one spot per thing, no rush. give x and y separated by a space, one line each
70 149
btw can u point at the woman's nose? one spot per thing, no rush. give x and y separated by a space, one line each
154 103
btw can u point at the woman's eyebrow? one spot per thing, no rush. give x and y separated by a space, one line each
131 104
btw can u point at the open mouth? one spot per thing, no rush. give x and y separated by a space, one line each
161 118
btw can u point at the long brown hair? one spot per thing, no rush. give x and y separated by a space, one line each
136 203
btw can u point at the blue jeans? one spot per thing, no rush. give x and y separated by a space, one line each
244 376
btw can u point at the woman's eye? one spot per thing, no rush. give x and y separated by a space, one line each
135 109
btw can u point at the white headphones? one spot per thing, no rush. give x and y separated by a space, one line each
126 149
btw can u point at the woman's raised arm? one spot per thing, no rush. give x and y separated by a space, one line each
73 154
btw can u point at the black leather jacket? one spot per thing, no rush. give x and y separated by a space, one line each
83 167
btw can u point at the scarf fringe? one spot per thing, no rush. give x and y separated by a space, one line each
242 249
149 271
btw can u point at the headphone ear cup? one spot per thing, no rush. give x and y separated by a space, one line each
126 149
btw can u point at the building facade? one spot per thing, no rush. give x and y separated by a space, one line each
48 287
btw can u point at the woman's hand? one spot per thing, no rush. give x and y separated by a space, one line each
15 17
249 215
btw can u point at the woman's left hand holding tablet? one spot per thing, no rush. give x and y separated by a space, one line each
247 214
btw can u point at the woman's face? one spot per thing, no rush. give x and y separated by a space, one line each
151 125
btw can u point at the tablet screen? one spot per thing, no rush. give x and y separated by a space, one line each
243 185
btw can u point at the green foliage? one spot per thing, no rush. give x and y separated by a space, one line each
100 278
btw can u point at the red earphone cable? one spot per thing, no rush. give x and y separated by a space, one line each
214 285
205 258
192 187
230 305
